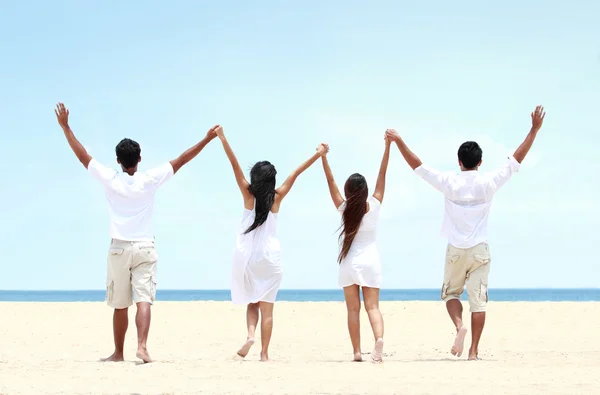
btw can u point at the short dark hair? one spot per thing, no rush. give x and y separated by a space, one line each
128 153
469 154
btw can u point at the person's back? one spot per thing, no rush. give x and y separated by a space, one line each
131 199
468 199
262 256
359 260
131 259
256 270
265 244
367 232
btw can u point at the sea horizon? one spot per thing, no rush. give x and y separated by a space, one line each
311 295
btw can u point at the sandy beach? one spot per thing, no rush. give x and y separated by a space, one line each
527 348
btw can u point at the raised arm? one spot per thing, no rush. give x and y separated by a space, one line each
537 119
433 177
192 152
62 115
500 176
380 186
289 182
237 170
334 191
410 158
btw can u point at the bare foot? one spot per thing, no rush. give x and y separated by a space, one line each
113 358
242 352
264 357
142 354
357 357
459 342
473 355
377 354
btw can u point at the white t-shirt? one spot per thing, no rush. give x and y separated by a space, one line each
468 199
130 199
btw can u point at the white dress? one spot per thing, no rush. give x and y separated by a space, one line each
362 265
257 271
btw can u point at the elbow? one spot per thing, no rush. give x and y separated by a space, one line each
85 159
177 164
416 164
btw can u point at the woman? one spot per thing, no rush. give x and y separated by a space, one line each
257 270
359 263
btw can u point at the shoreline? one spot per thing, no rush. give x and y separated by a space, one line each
331 295
464 302
317 289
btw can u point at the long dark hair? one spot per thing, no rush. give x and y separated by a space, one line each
356 191
262 187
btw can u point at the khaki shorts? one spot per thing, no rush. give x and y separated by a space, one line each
469 267
131 264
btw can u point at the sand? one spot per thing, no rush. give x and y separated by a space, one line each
527 348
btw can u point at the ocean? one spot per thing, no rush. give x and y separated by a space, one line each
337 295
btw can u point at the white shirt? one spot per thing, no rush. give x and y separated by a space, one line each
130 199
468 198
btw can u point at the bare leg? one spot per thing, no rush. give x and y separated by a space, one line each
352 296
477 324
120 323
251 322
478 299
266 328
142 321
371 297
455 310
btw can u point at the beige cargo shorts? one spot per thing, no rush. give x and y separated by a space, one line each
470 267
131 268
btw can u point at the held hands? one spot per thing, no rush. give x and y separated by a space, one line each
387 140
215 131
537 118
62 115
391 136
323 149
219 132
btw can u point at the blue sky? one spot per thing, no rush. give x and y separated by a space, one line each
282 78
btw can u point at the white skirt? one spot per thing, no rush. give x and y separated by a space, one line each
361 267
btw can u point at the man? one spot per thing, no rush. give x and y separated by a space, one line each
468 197
132 259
